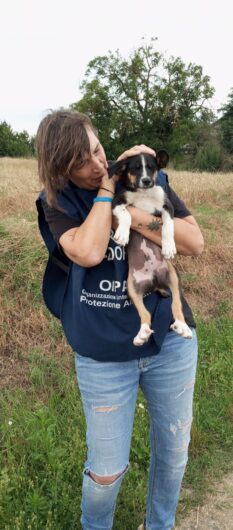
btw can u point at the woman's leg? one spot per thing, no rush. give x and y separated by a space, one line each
109 393
168 383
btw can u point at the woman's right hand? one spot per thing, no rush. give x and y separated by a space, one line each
137 150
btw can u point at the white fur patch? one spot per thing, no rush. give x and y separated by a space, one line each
151 264
121 235
144 173
168 241
143 335
148 200
182 329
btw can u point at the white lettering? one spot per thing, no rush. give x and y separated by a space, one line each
116 285
106 285
116 252
110 254
98 303
82 298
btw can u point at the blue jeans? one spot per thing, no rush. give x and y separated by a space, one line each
109 393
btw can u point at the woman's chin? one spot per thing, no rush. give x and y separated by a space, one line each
96 183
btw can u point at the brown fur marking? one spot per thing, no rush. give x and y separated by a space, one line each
132 178
137 299
174 286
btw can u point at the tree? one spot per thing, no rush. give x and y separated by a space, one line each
226 122
6 139
144 99
14 144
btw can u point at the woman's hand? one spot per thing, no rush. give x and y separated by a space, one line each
109 183
137 150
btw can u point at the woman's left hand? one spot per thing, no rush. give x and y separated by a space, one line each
137 150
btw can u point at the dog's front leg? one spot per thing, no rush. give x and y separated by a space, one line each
123 217
168 241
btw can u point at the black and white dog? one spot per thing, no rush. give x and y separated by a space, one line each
149 268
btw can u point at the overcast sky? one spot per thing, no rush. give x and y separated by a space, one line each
46 45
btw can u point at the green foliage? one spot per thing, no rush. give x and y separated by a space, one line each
227 124
208 158
15 144
144 99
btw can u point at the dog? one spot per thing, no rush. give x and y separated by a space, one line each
150 268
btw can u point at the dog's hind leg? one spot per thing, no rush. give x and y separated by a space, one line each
179 325
137 299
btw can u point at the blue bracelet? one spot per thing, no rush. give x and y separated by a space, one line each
102 199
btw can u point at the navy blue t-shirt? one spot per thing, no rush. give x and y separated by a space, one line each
98 318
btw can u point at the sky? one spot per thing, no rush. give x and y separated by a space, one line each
46 46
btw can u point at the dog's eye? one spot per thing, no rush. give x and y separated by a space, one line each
138 166
149 166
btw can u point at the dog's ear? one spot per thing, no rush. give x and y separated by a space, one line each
162 158
117 168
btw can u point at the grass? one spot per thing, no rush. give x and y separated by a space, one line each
43 441
42 427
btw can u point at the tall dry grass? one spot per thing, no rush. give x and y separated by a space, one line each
24 323
19 181
208 279
19 185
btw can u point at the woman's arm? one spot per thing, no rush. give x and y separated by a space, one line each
87 244
188 237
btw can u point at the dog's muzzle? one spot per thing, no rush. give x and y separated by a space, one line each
146 183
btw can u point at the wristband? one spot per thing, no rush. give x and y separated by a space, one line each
102 199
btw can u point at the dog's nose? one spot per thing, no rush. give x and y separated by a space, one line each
146 182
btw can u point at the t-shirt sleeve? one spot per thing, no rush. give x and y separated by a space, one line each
180 210
58 221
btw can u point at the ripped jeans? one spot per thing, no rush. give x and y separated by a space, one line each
109 393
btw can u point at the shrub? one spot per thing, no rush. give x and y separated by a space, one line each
208 158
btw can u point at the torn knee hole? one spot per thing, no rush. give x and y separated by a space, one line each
106 409
106 480
189 385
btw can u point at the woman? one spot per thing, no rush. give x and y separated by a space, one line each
85 286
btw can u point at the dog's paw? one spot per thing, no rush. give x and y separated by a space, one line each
143 335
121 236
182 329
168 249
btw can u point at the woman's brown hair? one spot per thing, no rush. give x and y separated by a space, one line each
61 143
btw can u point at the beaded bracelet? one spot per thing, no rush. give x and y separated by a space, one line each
103 199
105 189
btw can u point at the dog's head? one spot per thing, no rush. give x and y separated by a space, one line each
138 171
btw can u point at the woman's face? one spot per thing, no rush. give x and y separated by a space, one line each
89 174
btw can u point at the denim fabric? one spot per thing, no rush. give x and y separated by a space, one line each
109 393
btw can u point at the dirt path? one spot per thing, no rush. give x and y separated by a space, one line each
216 513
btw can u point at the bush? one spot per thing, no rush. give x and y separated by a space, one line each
208 158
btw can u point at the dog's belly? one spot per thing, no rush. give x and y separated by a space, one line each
147 266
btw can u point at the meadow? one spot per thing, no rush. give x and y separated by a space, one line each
41 425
